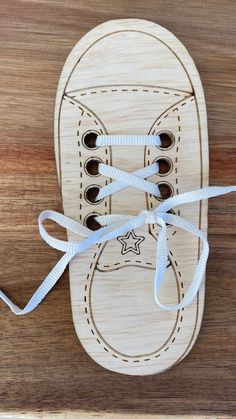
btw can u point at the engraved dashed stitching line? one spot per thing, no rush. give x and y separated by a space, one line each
123 359
177 150
79 144
81 172
126 261
130 90
85 298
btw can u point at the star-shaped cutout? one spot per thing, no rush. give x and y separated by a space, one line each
130 242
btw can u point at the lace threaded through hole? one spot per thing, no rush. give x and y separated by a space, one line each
167 139
91 194
91 166
89 139
165 165
166 190
91 222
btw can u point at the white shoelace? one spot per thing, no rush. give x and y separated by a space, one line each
114 225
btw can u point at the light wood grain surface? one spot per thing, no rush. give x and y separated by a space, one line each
132 76
42 364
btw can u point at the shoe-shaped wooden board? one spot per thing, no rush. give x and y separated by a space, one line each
132 76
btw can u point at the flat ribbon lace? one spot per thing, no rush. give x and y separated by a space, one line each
114 225
121 224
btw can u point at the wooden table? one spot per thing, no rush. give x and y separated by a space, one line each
42 364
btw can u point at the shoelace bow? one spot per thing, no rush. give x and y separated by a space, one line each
119 224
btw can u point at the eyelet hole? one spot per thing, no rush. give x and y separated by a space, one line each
90 193
166 190
91 166
91 222
165 166
167 140
89 139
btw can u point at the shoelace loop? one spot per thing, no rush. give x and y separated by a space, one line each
111 231
114 225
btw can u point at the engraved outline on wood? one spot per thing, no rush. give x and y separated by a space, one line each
200 139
